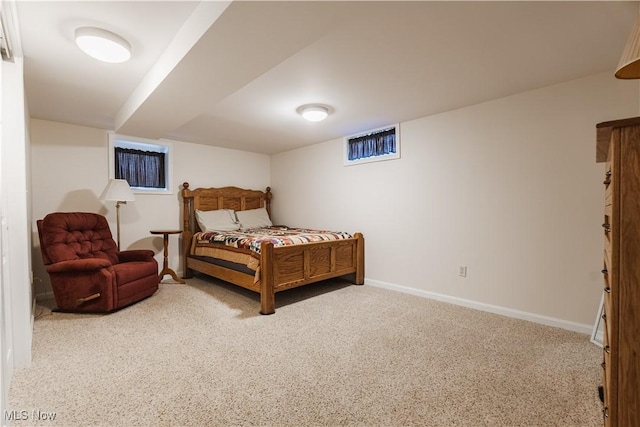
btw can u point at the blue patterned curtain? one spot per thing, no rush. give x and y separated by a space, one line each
144 169
375 144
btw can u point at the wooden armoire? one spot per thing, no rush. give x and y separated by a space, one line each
618 144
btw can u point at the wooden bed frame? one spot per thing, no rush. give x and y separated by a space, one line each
281 268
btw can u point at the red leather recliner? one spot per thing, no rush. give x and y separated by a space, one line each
88 273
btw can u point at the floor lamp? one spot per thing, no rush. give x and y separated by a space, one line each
118 190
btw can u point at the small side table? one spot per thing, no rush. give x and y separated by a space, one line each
165 265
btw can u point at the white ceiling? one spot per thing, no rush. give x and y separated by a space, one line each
233 74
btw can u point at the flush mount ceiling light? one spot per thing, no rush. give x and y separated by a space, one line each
314 113
103 45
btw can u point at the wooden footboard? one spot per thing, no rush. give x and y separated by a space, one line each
287 267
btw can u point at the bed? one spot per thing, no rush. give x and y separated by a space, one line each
265 265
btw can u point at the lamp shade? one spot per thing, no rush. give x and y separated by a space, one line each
629 66
103 45
118 190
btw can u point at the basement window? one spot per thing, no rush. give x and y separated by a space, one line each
144 163
372 146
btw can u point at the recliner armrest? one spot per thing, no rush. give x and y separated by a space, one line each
86 264
135 255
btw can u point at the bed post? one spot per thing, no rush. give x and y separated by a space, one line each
267 200
187 228
359 258
267 293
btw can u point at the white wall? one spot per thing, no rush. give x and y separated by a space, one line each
70 170
16 307
509 188
16 297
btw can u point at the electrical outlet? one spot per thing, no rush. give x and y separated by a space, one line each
462 271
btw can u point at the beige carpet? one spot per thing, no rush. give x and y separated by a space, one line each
332 355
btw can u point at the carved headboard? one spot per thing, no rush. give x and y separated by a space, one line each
208 199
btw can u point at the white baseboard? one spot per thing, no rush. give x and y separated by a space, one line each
517 314
598 339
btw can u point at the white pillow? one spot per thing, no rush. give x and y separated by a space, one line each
221 219
254 218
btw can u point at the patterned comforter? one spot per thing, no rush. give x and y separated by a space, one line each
243 246
279 236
